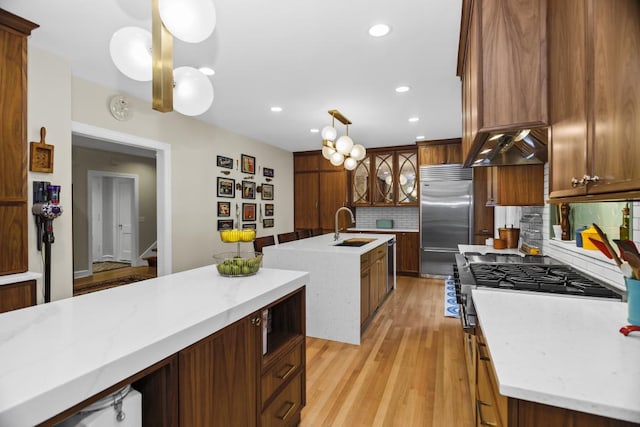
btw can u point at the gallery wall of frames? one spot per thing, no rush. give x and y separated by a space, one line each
245 193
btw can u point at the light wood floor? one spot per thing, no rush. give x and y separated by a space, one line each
84 282
408 371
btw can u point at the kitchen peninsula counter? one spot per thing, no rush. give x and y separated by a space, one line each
58 354
333 292
562 351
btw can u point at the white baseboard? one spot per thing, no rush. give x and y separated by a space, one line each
80 273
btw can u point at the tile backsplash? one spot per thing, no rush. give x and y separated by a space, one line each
405 217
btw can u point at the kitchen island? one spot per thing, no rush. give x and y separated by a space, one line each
56 355
563 352
334 293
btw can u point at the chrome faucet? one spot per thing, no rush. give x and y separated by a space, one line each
336 235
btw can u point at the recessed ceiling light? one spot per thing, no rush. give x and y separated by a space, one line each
403 89
207 71
314 130
379 30
414 119
276 109
419 137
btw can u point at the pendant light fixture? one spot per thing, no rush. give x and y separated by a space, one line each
340 151
145 56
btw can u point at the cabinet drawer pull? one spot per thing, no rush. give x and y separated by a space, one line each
481 354
479 405
256 321
290 407
288 368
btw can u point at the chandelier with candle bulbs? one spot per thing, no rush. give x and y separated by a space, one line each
341 151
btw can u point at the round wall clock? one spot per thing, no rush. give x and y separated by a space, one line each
119 108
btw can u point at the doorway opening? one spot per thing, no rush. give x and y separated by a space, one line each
108 223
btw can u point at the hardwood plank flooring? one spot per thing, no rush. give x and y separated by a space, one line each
408 371
84 282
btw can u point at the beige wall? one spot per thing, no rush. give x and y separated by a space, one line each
87 159
56 98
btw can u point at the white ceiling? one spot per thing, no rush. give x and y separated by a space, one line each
305 56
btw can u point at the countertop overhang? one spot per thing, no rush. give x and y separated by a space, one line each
326 244
58 354
562 351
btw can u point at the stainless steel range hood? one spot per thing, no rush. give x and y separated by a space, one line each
522 147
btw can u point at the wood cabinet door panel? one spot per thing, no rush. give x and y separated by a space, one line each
520 185
218 378
514 63
408 252
567 96
440 154
306 201
616 99
17 295
482 214
13 244
13 136
306 162
333 195
365 291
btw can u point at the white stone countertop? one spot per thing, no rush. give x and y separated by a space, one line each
325 243
483 249
10 279
54 355
384 230
562 351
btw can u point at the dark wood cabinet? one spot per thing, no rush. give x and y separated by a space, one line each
17 295
440 152
594 92
373 283
386 177
218 377
483 215
319 190
408 253
502 62
13 142
515 185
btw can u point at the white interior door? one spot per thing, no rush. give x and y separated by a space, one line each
124 218
96 219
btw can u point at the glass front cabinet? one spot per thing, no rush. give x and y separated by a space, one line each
386 178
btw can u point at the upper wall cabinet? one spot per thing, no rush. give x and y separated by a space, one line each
386 177
439 152
502 63
13 142
594 98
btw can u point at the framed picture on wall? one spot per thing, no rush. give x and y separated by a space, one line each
226 187
248 164
249 225
248 211
268 209
267 191
267 222
268 172
224 162
225 224
224 209
248 190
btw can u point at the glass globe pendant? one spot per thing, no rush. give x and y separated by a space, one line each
336 159
329 133
130 50
350 163
344 144
191 21
193 91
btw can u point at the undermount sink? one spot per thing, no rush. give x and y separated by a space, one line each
355 242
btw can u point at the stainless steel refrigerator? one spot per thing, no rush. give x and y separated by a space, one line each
446 215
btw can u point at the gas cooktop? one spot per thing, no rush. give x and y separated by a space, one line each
542 277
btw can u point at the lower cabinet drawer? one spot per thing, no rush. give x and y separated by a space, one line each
286 407
281 372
